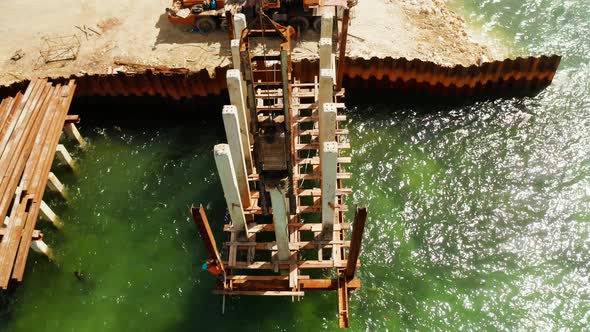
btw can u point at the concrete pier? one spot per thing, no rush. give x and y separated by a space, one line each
329 167
236 97
280 217
327 25
326 58
235 54
328 116
227 174
239 25
326 91
234 139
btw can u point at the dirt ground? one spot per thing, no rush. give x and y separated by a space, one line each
138 32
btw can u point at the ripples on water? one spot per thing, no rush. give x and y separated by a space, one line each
480 214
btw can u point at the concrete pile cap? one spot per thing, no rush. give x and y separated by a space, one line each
229 109
221 149
330 108
330 147
233 74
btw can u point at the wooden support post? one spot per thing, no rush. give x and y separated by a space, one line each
342 55
200 218
55 185
48 214
327 25
326 90
42 248
227 174
64 156
326 54
239 25
236 97
329 166
73 133
360 219
280 218
234 139
328 115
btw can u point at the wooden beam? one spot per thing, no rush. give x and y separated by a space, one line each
281 283
285 265
292 246
72 119
360 219
200 218
258 293
36 233
306 227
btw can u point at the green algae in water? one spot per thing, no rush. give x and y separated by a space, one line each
478 214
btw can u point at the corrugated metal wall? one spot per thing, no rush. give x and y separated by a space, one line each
400 75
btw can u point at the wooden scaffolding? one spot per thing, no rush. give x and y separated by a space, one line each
31 125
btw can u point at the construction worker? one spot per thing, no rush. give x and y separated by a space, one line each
212 266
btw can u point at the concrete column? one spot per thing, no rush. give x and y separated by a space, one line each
73 133
227 175
42 248
55 185
327 25
64 156
280 218
328 113
237 63
239 25
326 93
48 214
235 53
236 97
326 54
234 139
329 166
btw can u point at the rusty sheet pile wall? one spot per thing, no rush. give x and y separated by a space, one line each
520 75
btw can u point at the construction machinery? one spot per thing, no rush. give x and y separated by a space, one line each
208 15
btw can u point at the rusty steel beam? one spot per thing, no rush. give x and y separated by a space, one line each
358 228
342 55
200 218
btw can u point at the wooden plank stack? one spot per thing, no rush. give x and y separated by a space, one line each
30 127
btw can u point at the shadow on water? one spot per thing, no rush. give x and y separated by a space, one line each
424 102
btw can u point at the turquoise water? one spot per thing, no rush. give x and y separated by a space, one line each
479 215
